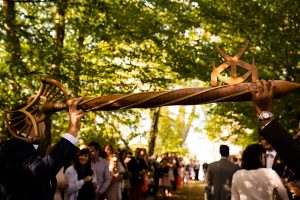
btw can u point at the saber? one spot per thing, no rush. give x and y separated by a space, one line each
53 97
185 96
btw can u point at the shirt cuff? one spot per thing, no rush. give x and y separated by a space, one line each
266 124
71 138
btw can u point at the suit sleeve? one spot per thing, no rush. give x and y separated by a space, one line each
107 178
287 149
49 165
208 182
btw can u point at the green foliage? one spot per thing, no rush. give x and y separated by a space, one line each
170 129
232 124
108 47
271 28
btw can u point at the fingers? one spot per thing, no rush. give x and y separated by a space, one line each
72 103
88 178
259 84
294 190
75 116
272 87
255 91
262 95
263 87
78 113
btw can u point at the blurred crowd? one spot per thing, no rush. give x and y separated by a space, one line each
123 174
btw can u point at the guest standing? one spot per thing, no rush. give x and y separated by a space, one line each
114 191
101 168
80 178
254 181
219 176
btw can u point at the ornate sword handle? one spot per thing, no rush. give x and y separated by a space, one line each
25 119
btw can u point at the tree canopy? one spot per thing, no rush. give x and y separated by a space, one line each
125 46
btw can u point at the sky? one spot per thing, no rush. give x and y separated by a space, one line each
205 150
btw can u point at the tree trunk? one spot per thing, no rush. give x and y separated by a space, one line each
59 21
78 67
12 46
153 130
188 125
60 33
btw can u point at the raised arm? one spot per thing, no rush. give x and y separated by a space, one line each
272 131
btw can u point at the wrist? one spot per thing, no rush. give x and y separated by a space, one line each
73 131
266 122
265 116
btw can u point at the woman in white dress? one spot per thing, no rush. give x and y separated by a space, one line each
254 181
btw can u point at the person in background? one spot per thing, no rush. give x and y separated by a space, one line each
272 159
290 178
114 191
164 181
109 150
219 176
174 168
125 157
196 169
101 168
133 170
186 173
141 169
254 181
80 178
204 169
154 174
27 175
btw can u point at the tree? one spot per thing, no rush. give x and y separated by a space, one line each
109 47
153 130
173 127
271 28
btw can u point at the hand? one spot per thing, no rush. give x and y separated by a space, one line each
88 178
295 191
262 96
75 116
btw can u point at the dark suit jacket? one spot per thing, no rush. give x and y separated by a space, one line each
26 175
278 165
287 149
219 178
134 171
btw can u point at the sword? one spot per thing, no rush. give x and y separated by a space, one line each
53 96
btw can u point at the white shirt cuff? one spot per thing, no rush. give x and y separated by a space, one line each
267 124
71 138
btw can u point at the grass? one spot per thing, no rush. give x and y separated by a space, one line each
193 190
